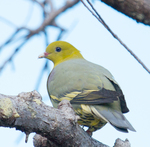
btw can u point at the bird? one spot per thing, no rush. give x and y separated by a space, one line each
91 89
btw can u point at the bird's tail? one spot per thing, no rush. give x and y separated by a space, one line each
114 117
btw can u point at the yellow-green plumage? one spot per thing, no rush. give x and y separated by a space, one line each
90 88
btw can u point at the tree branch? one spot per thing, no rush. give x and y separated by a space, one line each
99 18
49 20
136 9
27 113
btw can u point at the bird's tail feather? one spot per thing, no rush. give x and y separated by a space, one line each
115 118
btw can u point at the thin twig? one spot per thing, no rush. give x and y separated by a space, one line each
48 21
50 3
45 67
60 34
8 22
46 38
99 18
28 17
12 37
13 54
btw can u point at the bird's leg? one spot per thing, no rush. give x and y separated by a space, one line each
89 132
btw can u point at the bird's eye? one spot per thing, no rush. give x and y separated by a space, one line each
58 49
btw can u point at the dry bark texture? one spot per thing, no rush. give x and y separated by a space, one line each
57 127
136 9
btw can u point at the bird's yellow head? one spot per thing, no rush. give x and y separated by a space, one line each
60 51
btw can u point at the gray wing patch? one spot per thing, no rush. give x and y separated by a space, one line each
116 119
96 97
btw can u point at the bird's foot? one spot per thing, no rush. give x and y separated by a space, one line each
89 132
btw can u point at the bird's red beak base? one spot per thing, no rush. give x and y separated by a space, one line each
44 55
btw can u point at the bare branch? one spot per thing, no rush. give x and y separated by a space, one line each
28 17
45 67
99 18
13 55
27 113
40 141
40 3
8 22
136 9
50 4
120 143
49 20
11 38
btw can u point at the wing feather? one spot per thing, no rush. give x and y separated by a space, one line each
95 97
123 104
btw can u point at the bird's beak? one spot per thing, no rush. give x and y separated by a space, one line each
43 55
